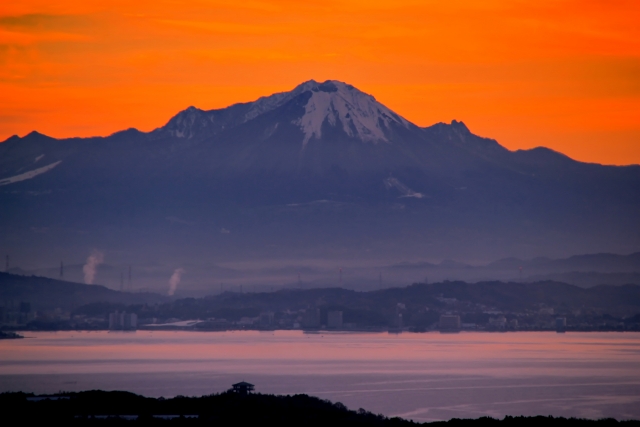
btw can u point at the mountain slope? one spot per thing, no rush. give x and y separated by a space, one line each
321 171
48 294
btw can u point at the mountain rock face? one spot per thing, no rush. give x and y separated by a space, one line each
323 171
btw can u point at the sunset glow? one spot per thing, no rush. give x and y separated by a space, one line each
563 74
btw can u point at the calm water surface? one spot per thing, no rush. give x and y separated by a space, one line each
424 377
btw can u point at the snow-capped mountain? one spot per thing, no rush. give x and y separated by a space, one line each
331 103
321 169
339 104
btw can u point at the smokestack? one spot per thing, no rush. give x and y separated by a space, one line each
121 281
129 286
340 275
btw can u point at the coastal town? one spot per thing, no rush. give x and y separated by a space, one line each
445 307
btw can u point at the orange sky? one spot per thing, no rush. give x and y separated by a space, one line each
559 73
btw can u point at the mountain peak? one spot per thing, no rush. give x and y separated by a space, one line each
11 138
326 86
460 126
335 102
332 102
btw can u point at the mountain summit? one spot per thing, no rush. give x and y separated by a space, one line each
321 171
341 105
318 127
331 103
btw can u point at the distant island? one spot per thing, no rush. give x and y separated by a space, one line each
225 409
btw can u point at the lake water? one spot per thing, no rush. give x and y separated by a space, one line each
424 377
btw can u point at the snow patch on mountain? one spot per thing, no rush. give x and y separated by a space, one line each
392 182
360 114
187 123
267 103
29 175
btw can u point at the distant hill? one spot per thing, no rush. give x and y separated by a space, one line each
588 279
580 270
49 294
583 271
376 307
602 263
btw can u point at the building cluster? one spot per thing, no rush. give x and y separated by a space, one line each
334 320
13 313
402 318
311 318
449 323
453 323
21 315
443 314
123 321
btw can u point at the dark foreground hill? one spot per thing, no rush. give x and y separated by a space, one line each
226 409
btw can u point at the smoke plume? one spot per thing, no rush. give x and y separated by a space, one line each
175 280
89 269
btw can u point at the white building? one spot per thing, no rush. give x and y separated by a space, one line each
123 321
499 322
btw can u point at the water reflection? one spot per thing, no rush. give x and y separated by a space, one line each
420 376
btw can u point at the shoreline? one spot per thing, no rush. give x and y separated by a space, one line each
15 331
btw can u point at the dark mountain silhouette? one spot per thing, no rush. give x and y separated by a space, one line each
48 294
323 171
581 270
602 262
507 296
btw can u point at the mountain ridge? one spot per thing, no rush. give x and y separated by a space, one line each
393 189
